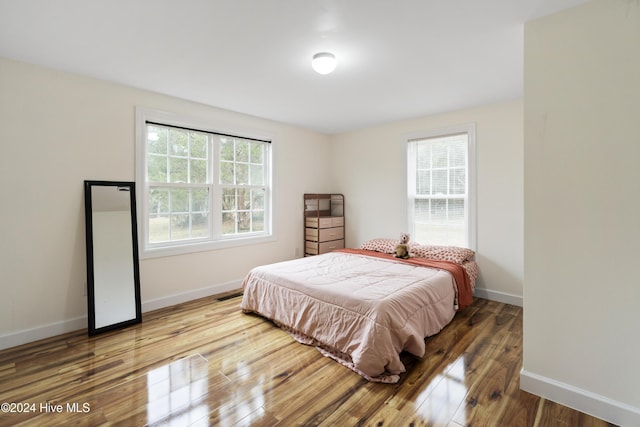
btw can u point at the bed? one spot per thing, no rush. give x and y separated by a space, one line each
363 307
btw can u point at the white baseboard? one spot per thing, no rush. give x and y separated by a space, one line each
50 330
46 331
41 332
190 295
582 400
498 296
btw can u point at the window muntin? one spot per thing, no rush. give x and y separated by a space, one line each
178 184
440 187
242 177
201 189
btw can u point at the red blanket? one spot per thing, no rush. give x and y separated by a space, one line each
465 293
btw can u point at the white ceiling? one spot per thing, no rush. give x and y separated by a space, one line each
396 59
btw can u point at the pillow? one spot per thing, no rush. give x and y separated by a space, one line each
386 246
443 253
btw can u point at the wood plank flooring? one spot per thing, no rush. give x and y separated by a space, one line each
206 363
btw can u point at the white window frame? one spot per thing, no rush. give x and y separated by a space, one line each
470 206
217 240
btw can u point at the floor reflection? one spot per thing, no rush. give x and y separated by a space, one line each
244 407
244 402
444 395
177 393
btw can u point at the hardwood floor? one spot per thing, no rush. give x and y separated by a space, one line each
206 363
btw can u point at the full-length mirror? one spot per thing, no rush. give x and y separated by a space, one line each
113 278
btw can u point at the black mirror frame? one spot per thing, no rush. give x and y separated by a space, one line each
90 263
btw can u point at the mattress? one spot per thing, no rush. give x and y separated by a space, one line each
360 310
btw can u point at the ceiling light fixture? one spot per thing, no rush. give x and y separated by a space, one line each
324 62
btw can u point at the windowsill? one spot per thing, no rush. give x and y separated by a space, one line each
183 249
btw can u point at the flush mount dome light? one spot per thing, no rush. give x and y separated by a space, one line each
324 62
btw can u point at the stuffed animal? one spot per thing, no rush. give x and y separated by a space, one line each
402 248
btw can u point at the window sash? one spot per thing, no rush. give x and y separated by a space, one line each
182 211
441 186
178 210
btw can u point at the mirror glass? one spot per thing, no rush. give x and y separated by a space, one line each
113 284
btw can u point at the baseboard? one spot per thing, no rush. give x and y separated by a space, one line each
46 331
41 332
582 400
62 327
498 296
190 295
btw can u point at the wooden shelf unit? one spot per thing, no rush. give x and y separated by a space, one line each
323 223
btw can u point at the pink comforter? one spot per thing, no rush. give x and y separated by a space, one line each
360 310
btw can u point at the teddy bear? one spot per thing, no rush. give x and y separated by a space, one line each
402 248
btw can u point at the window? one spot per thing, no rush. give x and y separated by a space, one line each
200 189
440 186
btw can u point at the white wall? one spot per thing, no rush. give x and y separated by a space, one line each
582 209
369 168
58 129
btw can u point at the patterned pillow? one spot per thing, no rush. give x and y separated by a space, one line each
386 246
443 253
472 270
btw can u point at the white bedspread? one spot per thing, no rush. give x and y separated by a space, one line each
363 311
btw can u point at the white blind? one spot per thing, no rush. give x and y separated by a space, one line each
438 189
